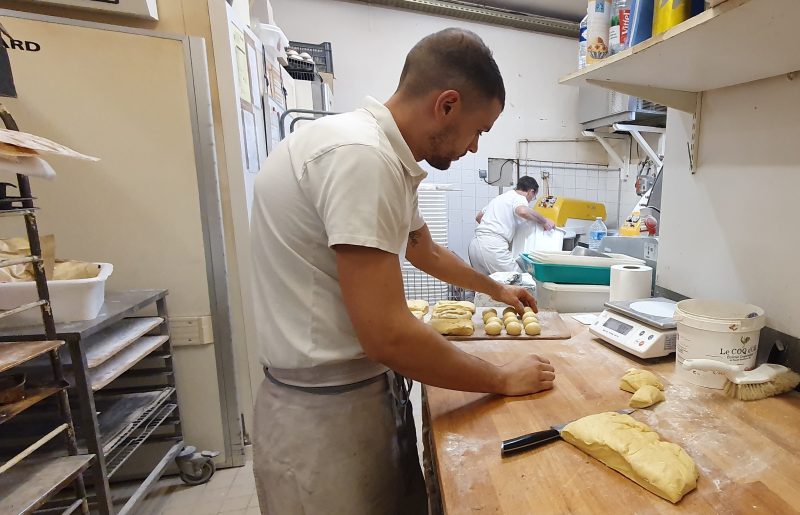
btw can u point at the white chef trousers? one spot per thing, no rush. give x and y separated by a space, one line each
489 254
348 450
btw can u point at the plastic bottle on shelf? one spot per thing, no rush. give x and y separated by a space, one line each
582 44
597 231
620 25
598 22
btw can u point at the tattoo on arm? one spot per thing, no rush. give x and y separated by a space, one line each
413 238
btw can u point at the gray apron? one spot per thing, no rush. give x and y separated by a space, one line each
331 450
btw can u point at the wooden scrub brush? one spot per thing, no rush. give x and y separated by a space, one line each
750 385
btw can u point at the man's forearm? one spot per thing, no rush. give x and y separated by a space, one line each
424 355
444 265
532 216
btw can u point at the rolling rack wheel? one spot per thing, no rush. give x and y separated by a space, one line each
195 468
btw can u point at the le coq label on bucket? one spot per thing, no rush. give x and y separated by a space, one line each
718 331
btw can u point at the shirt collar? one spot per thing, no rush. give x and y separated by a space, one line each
389 127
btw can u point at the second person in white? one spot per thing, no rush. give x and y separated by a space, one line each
490 249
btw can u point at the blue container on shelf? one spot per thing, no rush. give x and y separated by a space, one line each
566 274
641 21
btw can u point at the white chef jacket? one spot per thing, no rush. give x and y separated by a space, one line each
344 179
499 218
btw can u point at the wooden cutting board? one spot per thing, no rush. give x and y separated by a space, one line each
553 328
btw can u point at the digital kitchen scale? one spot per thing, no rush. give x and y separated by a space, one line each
645 327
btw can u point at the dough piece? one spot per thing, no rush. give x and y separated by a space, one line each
635 378
458 303
514 329
528 309
533 328
453 326
453 314
418 305
529 316
494 319
418 314
646 396
459 310
509 309
489 310
635 451
494 328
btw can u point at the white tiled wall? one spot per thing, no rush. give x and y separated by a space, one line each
597 183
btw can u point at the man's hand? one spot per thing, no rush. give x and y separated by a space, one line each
527 375
548 225
516 297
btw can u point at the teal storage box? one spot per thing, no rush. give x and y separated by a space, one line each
566 274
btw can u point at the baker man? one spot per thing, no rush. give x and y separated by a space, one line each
335 211
490 249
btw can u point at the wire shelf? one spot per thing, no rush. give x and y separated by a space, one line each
130 445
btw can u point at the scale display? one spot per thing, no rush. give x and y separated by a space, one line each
634 336
618 326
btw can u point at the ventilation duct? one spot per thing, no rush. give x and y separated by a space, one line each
494 16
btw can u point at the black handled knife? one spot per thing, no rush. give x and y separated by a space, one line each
539 438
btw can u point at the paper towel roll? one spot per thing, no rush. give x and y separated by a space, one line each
630 282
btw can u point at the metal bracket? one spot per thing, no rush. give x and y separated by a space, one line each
694 148
636 133
601 138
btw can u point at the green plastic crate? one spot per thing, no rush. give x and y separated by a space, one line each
566 274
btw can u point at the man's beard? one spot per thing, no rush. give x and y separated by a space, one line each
438 159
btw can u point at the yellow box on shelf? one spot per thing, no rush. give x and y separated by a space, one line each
561 209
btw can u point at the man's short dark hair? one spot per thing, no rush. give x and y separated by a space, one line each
454 59
527 184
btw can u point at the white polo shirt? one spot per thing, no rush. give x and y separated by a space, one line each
499 218
344 179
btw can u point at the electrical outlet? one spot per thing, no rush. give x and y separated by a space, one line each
191 330
482 174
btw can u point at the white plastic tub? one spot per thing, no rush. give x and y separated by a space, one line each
564 257
718 330
572 298
72 300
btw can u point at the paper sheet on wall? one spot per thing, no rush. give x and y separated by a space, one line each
255 89
243 77
250 141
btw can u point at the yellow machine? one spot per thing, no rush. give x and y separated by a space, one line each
632 226
561 209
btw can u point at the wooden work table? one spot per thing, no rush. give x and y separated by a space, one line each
747 453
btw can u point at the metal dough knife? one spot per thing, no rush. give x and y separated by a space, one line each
539 438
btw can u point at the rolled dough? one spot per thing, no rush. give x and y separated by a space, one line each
453 326
635 451
417 305
646 396
635 378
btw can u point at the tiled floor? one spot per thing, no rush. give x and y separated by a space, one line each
231 491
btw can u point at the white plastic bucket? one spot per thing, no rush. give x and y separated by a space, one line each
719 330
72 300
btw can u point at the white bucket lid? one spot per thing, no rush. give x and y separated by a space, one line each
720 315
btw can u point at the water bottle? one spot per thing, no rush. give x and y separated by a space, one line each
582 43
620 25
597 231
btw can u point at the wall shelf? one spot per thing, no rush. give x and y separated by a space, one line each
712 50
